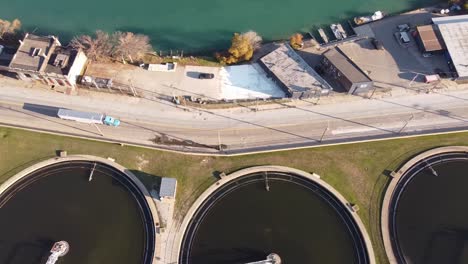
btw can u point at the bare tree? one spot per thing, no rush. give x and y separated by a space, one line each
253 38
95 48
130 45
8 28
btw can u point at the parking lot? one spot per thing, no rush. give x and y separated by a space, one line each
227 83
398 64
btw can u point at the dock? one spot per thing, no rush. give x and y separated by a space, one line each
323 35
341 30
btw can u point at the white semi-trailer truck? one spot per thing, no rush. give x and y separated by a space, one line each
88 117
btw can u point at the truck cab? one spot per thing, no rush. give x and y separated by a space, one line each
110 121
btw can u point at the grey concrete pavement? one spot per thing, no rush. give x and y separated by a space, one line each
239 128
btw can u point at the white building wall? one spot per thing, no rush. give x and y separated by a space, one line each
77 67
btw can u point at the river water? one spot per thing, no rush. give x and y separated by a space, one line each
191 25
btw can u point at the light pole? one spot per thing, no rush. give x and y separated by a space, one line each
412 80
219 141
406 123
102 134
325 131
373 91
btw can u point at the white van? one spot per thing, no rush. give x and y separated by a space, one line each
404 38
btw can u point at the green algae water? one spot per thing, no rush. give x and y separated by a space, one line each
190 25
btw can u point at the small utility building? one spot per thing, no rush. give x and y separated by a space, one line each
297 79
429 39
346 74
168 188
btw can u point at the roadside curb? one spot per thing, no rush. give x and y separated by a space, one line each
253 150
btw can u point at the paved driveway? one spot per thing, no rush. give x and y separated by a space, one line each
398 65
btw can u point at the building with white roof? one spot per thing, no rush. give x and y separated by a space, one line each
454 31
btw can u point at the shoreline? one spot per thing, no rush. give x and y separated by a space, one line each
210 52
66 36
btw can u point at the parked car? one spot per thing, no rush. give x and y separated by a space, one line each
427 55
377 44
205 75
403 27
402 37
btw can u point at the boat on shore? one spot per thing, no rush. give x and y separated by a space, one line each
338 31
342 31
367 19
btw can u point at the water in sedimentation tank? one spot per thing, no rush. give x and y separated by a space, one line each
431 216
246 223
100 220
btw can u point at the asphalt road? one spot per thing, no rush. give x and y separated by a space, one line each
240 129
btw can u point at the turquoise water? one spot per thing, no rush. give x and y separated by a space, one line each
191 25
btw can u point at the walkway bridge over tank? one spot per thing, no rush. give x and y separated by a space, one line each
271 259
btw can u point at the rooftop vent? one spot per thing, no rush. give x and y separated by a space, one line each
35 52
61 60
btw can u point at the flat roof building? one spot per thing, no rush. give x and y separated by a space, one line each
454 31
34 53
168 188
347 74
293 74
428 37
44 59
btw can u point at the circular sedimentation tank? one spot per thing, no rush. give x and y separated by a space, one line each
424 215
105 218
258 211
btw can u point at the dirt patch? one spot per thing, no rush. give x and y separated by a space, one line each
107 70
141 162
168 141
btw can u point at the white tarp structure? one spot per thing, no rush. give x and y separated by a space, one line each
163 67
247 82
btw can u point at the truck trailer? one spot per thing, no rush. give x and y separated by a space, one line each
87 117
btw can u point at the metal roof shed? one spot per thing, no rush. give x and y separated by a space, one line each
168 188
429 38
346 72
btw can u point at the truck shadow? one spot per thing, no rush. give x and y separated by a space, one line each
42 109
